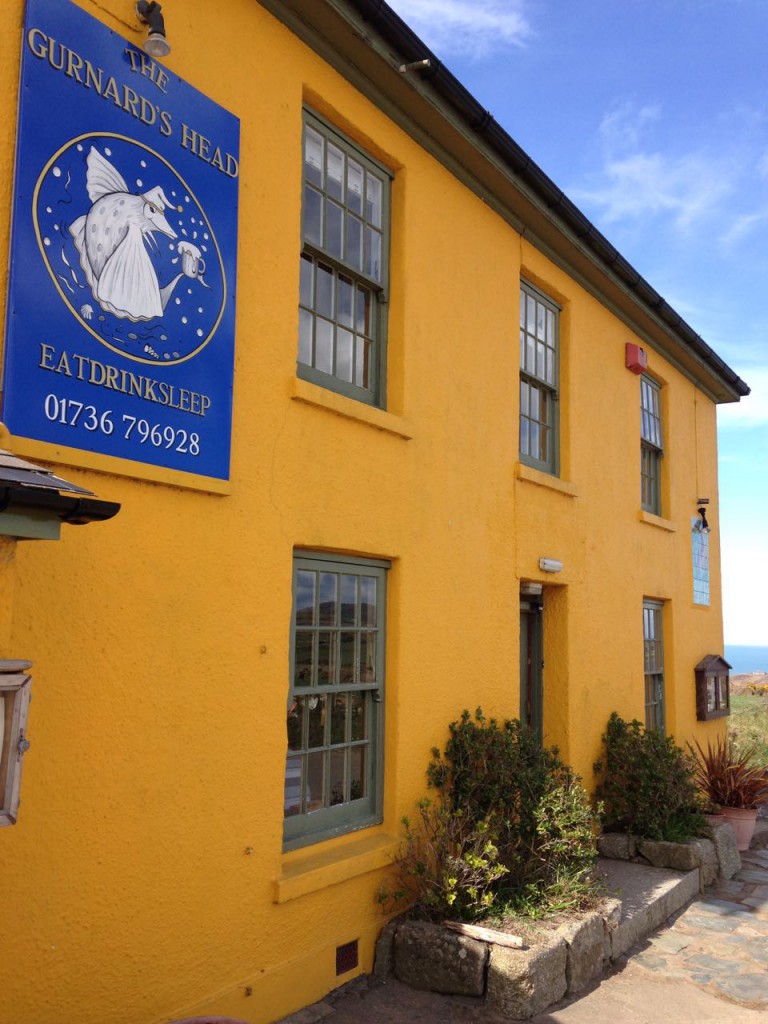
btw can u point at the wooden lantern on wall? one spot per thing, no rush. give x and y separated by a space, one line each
713 688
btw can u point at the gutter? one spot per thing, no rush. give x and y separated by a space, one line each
397 34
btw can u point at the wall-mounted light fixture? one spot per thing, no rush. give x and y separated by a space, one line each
149 13
550 565
703 524
415 65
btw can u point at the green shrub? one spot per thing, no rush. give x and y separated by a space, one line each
509 812
448 865
648 784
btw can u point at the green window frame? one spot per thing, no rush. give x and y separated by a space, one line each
344 268
335 719
653 666
539 379
651 445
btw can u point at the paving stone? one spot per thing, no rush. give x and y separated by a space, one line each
707 962
747 949
652 960
708 922
751 875
756 857
746 988
758 902
725 908
726 886
670 942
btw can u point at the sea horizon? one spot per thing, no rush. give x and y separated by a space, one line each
746 658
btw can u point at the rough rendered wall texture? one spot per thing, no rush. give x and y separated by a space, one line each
141 880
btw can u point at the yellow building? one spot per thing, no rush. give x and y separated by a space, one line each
466 436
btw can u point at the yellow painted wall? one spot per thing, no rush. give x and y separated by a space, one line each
145 878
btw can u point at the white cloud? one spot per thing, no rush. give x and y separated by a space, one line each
684 188
622 127
472 28
743 226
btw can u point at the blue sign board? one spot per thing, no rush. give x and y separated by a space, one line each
121 303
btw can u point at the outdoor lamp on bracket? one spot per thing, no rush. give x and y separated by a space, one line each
150 13
703 526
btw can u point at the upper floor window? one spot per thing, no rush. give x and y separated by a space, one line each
335 703
539 372
344 265
651 446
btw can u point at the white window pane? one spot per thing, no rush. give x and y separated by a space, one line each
312 216
334 183
373 254
361 363
541 360
324 291
345 297
373 200
324 346
368 607
313 156
344 341
354 253
541 321
334 230
292 786
304 598
524 437
354 186
551 328
305 337
306 274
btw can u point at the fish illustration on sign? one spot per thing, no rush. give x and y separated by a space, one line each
112 238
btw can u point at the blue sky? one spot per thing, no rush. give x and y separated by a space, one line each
652 116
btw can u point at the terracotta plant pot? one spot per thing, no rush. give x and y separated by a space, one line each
742 821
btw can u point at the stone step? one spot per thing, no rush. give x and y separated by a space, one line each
648 896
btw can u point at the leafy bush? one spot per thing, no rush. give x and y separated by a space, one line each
730 776
448 866
648 784
511 814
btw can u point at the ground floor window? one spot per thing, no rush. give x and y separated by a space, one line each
653 658
336 697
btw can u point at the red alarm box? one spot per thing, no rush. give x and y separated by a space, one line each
636 359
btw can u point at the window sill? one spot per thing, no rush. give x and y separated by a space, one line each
318 870
652 520
340 405
552 483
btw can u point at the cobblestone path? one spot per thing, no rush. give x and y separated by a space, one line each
720 941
